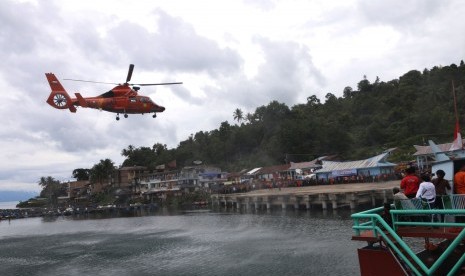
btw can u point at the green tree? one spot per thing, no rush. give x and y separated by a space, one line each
128 151
238 115
249 117
364 85
313 100
159 149
51 189
102 171
81 174
348 91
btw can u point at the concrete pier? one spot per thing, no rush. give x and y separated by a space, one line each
323 196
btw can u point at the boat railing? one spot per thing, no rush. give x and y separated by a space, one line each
371 220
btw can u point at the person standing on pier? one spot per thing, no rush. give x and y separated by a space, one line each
410 183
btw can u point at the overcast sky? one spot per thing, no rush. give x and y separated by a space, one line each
229 54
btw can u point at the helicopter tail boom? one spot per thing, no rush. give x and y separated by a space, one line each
58 98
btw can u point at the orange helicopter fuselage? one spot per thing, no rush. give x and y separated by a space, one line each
121 99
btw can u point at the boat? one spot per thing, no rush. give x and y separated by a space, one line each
415 240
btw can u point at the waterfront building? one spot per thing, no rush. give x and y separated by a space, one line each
127 177
126 182
272 176
250 175
237 177
167 183
160 185
425 156
78 191
274 172
211 177
376 168
302 170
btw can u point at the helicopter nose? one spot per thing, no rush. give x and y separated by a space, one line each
158 108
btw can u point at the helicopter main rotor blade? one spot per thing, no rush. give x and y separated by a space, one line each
128 79
92 81
149 84
131 68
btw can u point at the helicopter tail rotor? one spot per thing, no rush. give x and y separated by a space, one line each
58 98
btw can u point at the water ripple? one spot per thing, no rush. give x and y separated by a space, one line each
181 244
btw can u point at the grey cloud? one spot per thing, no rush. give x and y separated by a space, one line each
186 95
94 47
21 34
400 13
14 34
287 73
175 47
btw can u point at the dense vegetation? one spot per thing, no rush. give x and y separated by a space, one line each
363 122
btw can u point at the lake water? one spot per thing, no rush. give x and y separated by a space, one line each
182 243
8 204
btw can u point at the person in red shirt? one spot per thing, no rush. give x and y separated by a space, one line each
410 183
459 181
459 188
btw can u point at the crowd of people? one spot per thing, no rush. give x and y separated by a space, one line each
258 184
430 188
427 188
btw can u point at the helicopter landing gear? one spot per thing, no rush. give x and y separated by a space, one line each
125 115
154 115
117 117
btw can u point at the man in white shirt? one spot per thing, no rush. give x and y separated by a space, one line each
427 191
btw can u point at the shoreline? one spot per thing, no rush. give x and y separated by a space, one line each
16 213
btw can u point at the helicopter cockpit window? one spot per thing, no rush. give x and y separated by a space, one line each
109 94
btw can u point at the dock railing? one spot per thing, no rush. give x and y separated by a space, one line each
371 220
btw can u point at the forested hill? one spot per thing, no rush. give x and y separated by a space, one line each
363 122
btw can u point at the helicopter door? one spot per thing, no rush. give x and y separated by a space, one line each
121 103
132 104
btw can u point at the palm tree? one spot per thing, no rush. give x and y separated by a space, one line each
51 188
102 171
81 174
250 117
238 115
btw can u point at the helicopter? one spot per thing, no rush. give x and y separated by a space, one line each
122 99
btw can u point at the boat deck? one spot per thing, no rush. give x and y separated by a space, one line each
414 232
410 246
429 232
